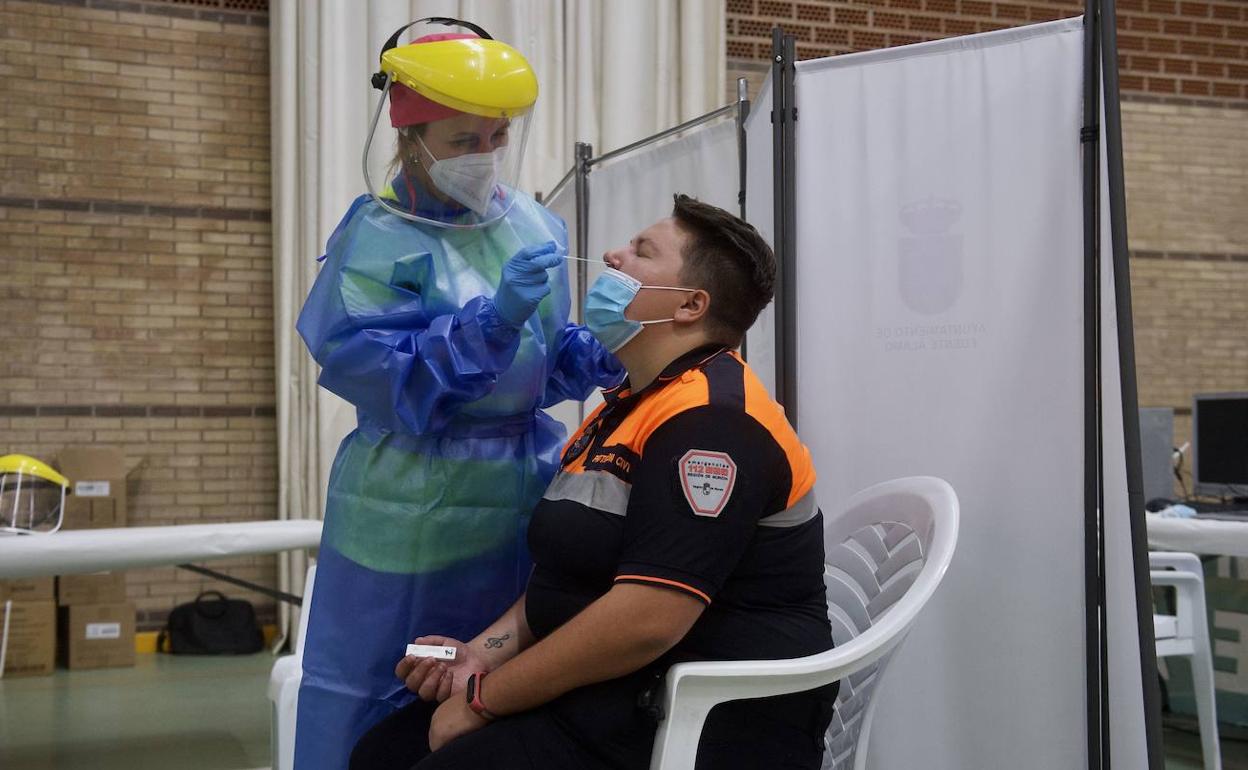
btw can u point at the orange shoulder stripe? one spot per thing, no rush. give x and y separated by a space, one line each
760 405
691 390
666 582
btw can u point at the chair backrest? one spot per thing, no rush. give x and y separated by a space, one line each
305 608
877 551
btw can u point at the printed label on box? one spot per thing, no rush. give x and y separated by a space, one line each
103 631
92 489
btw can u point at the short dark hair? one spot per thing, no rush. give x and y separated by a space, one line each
727 257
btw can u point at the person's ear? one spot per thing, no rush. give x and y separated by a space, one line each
695 307
407 147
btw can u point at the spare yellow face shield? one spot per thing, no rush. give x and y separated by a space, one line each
32 496
476 76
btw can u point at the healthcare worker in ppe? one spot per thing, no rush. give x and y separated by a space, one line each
441 313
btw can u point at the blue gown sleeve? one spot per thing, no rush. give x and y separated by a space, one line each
582 365
404 367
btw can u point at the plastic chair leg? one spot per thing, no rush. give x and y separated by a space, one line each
676 742
1206 711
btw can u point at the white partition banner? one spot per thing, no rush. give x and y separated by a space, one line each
632 192
629 193
941 332
761 338
940 260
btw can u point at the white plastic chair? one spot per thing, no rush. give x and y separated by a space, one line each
892 545
284 682
1187 633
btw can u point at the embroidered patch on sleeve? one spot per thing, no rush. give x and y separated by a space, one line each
707 479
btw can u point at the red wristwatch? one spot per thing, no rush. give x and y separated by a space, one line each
472 692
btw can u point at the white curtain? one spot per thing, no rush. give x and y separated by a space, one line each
610 72
632 191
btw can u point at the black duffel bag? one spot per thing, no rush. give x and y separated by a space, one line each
212 626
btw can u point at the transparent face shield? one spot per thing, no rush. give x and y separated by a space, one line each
459 172
30 504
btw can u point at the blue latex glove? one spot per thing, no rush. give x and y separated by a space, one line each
525 281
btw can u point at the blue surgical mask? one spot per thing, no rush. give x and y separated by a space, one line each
609 296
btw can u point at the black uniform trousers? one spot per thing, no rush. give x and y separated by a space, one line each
600 727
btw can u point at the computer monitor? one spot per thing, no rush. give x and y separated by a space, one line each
1220 444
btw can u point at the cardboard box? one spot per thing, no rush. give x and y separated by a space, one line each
96 588
97 477
97 635
31 648
88 513
27 589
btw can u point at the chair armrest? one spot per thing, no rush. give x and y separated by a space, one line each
1173 578
1183 562
285 669
693 689
1190 605
714 682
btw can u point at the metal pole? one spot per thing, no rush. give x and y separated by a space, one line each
790 230
743 112
281 596
1093 481
550 196
583 152
1130 403
783 117
727 109
778 111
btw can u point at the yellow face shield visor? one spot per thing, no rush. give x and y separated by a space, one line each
476 76
32 496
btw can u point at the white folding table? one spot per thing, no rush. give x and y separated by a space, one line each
1198 535
98 550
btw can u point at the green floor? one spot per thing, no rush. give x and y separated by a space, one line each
191 713
1182 745
183 713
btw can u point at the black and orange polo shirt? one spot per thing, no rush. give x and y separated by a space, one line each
697 484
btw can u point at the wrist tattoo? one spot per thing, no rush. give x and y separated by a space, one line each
495 642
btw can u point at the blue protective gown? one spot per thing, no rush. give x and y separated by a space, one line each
429 498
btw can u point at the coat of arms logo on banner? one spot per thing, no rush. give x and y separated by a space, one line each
929 269
707 479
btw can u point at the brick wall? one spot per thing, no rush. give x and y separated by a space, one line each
1187 194
1184 74
134 236
1187 179
1194 49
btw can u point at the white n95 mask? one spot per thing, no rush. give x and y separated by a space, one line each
469 179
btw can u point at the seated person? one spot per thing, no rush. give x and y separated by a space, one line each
681 526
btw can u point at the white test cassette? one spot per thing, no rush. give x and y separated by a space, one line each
431 651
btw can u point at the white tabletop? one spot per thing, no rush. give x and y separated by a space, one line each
1198 535
97 550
